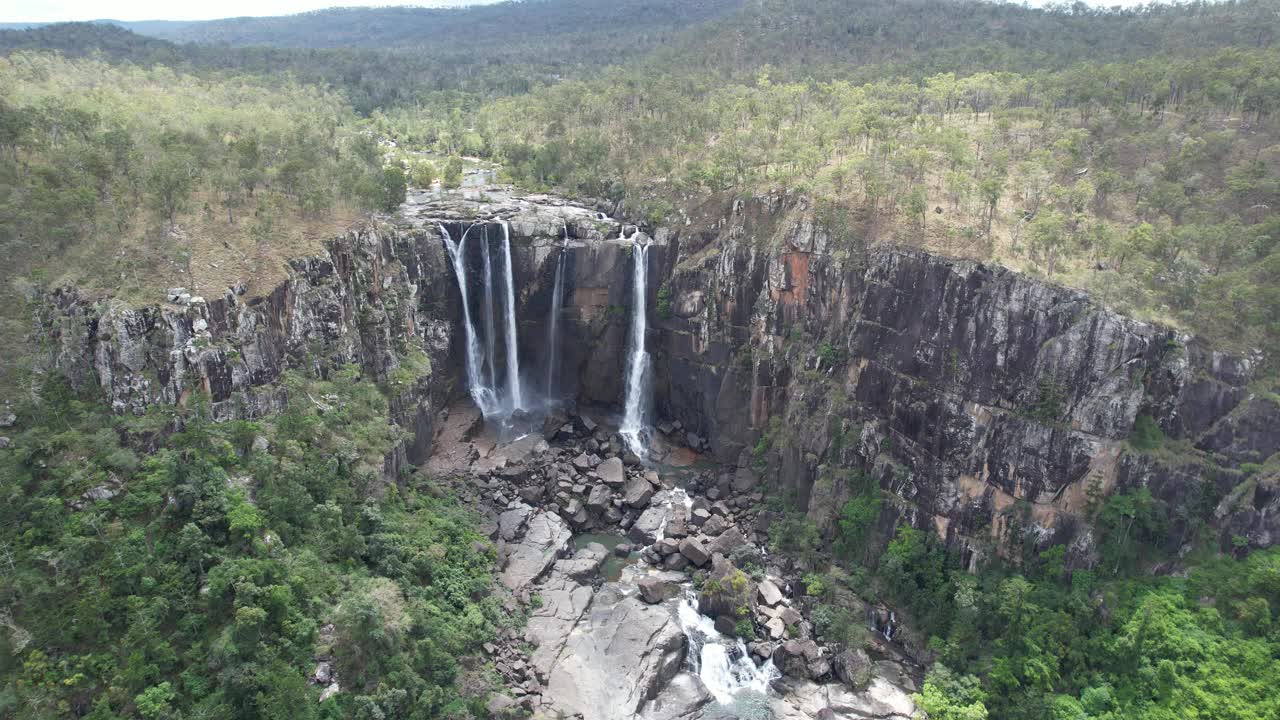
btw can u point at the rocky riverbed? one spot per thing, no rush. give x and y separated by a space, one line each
661 637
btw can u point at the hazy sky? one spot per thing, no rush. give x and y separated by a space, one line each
62 10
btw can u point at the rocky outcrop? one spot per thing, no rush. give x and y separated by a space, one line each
375 300
988 404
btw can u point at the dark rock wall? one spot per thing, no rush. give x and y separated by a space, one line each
988 403
377 295
989 406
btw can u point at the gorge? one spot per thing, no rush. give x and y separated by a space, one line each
987 408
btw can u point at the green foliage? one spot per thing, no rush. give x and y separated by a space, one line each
664 302
199 588
858 516
394 188
1049 404
948 697
795 533
1146 434
828 354
451 177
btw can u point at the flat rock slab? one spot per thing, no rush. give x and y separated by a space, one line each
809 701
616 659
528 557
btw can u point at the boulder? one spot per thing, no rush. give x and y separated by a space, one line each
728 541
675 561
611 472
853 667
500 706
777 630
655 589
600 499
645 529
638 492
323 673
693 549
725 625
801 659
791 617
584 565
714 526
683 697
512 523
528 558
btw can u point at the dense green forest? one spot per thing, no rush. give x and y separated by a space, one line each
200 579
1031 639
1133 153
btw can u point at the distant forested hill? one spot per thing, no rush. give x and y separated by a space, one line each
593 21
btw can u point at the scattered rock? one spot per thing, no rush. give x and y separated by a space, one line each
638 493
500 706
611 472
645 529
329 691
714 526
655 589
728 541
694 550
853 667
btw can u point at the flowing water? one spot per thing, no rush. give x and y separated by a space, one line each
482 394
637 398
723 663
553 321
490 339
515 396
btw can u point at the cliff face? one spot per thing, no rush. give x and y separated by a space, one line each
375 299
991 407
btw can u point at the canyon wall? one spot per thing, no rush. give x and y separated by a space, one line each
991 407
378 299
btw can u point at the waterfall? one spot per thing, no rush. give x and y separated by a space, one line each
490 340
482 395
724 664
553 321
637 398
513 348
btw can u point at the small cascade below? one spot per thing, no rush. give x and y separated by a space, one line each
553 320
637 378
482 394
724 664
515 396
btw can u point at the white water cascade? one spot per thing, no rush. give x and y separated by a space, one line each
724 664
490 341
637 398
553 322
516 397
482 394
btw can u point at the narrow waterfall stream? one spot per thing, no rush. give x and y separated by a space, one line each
482 394
553 320
490 338
515 396
637 397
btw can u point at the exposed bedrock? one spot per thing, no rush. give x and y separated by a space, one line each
988 404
